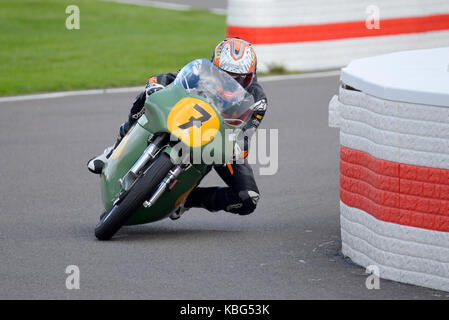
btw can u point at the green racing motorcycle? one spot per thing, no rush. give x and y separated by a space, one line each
187 127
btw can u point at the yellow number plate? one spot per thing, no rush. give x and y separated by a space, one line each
193 121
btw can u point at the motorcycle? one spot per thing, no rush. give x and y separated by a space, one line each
186 128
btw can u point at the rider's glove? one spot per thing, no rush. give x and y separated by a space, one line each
258 112
153 87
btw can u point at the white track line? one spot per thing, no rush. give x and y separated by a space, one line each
62 94
166 5
309 75
156 4
69 94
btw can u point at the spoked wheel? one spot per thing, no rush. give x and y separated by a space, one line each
111 221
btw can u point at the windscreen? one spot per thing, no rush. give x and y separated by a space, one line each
203 78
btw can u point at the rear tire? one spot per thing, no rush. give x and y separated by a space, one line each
117 216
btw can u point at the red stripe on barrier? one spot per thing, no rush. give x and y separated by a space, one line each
395 215
395 192
340 30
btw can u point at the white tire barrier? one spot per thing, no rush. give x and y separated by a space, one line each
327 34
393 115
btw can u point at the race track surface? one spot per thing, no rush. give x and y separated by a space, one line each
288 249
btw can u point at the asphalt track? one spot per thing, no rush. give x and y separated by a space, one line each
288 249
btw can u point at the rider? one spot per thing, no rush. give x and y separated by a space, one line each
238 58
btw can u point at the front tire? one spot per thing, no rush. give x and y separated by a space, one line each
117 216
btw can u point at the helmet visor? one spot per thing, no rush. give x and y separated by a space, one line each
243 79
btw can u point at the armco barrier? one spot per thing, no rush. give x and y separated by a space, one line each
393 115
309 35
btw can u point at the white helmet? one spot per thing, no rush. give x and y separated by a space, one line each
238 58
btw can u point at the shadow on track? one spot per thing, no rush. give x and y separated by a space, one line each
159 233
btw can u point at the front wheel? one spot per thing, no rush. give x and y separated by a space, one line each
147 184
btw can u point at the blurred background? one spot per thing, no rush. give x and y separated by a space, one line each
49 46
327 34
115 45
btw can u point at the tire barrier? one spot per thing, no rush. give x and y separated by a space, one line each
393 115
326 34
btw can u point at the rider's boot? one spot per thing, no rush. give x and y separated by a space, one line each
96 164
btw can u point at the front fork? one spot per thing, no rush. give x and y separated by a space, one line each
141 164
149 154
168 183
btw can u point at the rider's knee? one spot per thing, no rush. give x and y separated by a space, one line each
247 204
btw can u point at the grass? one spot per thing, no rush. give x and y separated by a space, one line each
116 45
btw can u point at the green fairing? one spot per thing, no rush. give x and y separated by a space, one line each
158 106
200 78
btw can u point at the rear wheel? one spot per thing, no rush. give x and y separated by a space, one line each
116 217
